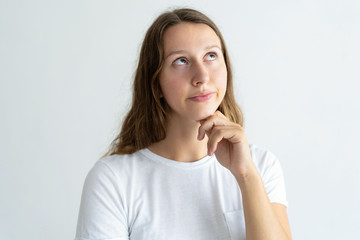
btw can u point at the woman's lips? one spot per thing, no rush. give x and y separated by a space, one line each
202 97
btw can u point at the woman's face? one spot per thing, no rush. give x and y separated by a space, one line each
194 76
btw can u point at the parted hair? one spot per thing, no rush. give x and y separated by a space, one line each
145 123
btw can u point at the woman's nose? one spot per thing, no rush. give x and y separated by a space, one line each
200 74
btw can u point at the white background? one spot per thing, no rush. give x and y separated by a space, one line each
65 83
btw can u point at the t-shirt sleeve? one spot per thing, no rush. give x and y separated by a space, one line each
102 212
272 176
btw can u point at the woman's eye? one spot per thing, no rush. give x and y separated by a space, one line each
180 61
210 56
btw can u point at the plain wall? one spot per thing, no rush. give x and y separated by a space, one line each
66 69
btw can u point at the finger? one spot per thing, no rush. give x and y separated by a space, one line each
205 126
220 114
208 124
216 114
220 133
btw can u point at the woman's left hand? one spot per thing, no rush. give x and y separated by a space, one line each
228 141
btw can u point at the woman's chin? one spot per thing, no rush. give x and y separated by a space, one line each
194 114
203 115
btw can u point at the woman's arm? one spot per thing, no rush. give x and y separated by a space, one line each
263 219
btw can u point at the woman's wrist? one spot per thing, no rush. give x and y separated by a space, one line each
247 176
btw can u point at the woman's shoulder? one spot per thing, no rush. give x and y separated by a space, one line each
121 161
117 158
260 152
115 169
263 158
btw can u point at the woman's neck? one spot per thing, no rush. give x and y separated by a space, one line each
181 143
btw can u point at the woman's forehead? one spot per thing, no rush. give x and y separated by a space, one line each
188 37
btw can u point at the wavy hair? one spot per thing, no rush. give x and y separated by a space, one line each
145 123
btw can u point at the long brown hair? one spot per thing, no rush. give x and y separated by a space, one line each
145 123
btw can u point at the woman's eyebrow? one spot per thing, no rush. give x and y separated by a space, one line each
175 52
183 51
213 46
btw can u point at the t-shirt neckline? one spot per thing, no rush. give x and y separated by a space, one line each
187 165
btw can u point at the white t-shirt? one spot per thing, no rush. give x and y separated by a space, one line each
145 196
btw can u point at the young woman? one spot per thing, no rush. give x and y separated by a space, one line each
181 167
